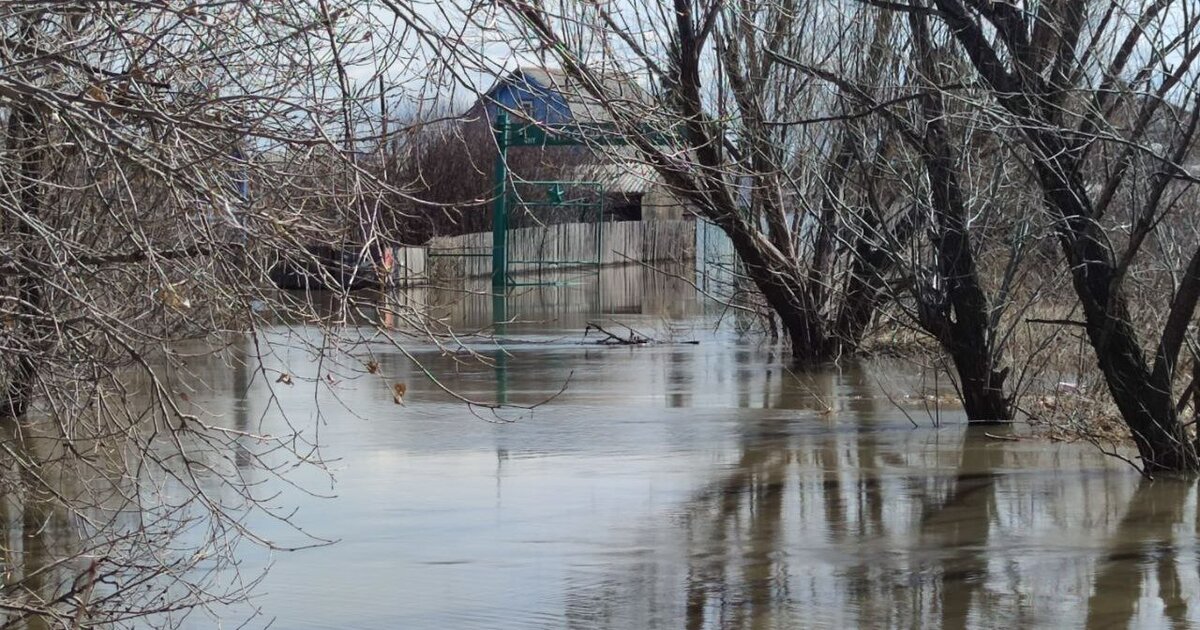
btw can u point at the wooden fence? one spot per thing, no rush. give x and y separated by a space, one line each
535 250
409 266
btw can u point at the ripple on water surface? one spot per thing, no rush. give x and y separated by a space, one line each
707 486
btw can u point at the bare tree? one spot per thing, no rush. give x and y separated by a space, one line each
155 160
445 167
752 144
1087 85
784 125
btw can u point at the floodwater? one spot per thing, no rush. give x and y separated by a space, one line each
687 486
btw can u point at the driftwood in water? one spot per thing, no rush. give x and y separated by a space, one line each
613 339
634 338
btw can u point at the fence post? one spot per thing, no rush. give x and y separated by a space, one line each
500 210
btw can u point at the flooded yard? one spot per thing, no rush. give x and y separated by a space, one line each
685 485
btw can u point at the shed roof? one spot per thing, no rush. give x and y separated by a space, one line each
623 178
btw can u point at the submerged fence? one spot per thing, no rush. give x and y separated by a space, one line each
621 242
409 266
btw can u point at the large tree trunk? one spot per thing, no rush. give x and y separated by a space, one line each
1145 402
962 321
783 287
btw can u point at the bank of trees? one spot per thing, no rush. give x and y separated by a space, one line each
918 154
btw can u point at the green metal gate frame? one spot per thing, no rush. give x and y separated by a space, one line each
554 188
511 135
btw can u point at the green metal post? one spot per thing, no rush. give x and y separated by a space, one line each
500 210
600 225
499 329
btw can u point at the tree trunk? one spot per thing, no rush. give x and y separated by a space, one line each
963 323
982 388
783 287
1146 406
23 133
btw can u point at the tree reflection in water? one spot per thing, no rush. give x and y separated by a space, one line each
835 520
1143 545
37 539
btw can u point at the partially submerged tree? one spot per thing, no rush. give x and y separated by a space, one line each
1087 87
956 309
777 123
732 132
940 270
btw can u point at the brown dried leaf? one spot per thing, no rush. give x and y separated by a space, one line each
398 391
172 298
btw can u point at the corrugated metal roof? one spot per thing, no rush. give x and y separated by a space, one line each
625 178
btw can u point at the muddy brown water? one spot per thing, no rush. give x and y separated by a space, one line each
693 486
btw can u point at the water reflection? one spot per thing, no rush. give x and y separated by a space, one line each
826 532
709 486
960 522
241 358
568 302
1143 560
680 486
37 537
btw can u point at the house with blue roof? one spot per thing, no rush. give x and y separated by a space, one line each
551 97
